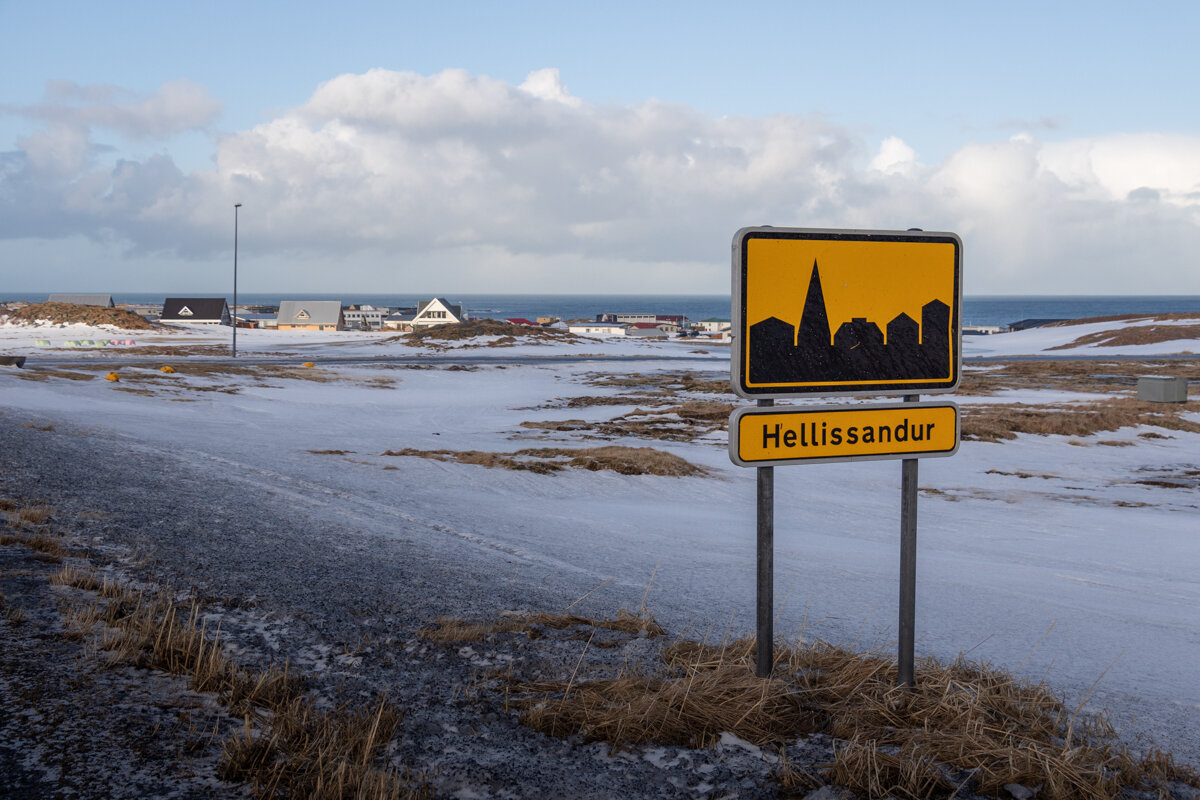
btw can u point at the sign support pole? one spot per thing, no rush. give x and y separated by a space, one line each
908 564
765 656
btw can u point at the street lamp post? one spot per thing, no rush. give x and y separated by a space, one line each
236 206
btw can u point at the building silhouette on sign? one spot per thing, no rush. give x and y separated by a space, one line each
809 352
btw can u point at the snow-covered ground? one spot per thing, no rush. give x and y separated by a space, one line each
1043 554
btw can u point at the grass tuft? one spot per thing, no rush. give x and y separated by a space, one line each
288 748
451 630
960 725
547 460
992 423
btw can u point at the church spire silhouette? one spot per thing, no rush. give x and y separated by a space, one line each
813 331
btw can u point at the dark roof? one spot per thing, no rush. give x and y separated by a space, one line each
193 309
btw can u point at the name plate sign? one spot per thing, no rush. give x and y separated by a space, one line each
778 435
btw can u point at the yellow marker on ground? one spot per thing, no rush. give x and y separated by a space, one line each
308 364
167 369
112 376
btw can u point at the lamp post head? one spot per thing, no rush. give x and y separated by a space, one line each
237 205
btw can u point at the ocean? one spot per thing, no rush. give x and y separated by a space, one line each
977 310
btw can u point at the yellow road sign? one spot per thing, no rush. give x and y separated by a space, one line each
770 435
841 312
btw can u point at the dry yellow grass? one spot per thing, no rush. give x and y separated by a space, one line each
90 315
992 423
678 423
960 724
669 383
28 516
548 460
13 613
1138 334
509 334
27 527
288 748
1108 377
452 629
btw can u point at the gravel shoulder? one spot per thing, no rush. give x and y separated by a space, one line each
290 579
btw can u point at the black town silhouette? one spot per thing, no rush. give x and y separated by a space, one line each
780 352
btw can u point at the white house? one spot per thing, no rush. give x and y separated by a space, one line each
365 317
437 312
597 328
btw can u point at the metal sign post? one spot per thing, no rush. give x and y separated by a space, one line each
908 565
765 656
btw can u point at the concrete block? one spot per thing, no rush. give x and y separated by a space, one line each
1159 389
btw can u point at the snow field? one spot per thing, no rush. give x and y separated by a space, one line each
1037 554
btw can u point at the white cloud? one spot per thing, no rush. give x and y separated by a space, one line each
173 108
546 84
895 157
1120 165
395 168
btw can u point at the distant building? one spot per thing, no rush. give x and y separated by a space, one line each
647 330
195 311
310 315
104 300
597 328
401 319
522 321
256 320
713 325
437 312
627 318
365 317
679 321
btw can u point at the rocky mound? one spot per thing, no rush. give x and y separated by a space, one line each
88 315
474 328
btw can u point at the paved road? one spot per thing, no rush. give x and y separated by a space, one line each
370 361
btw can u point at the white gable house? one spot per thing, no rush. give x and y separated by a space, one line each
437 312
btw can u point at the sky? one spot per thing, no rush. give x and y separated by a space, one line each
604 147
